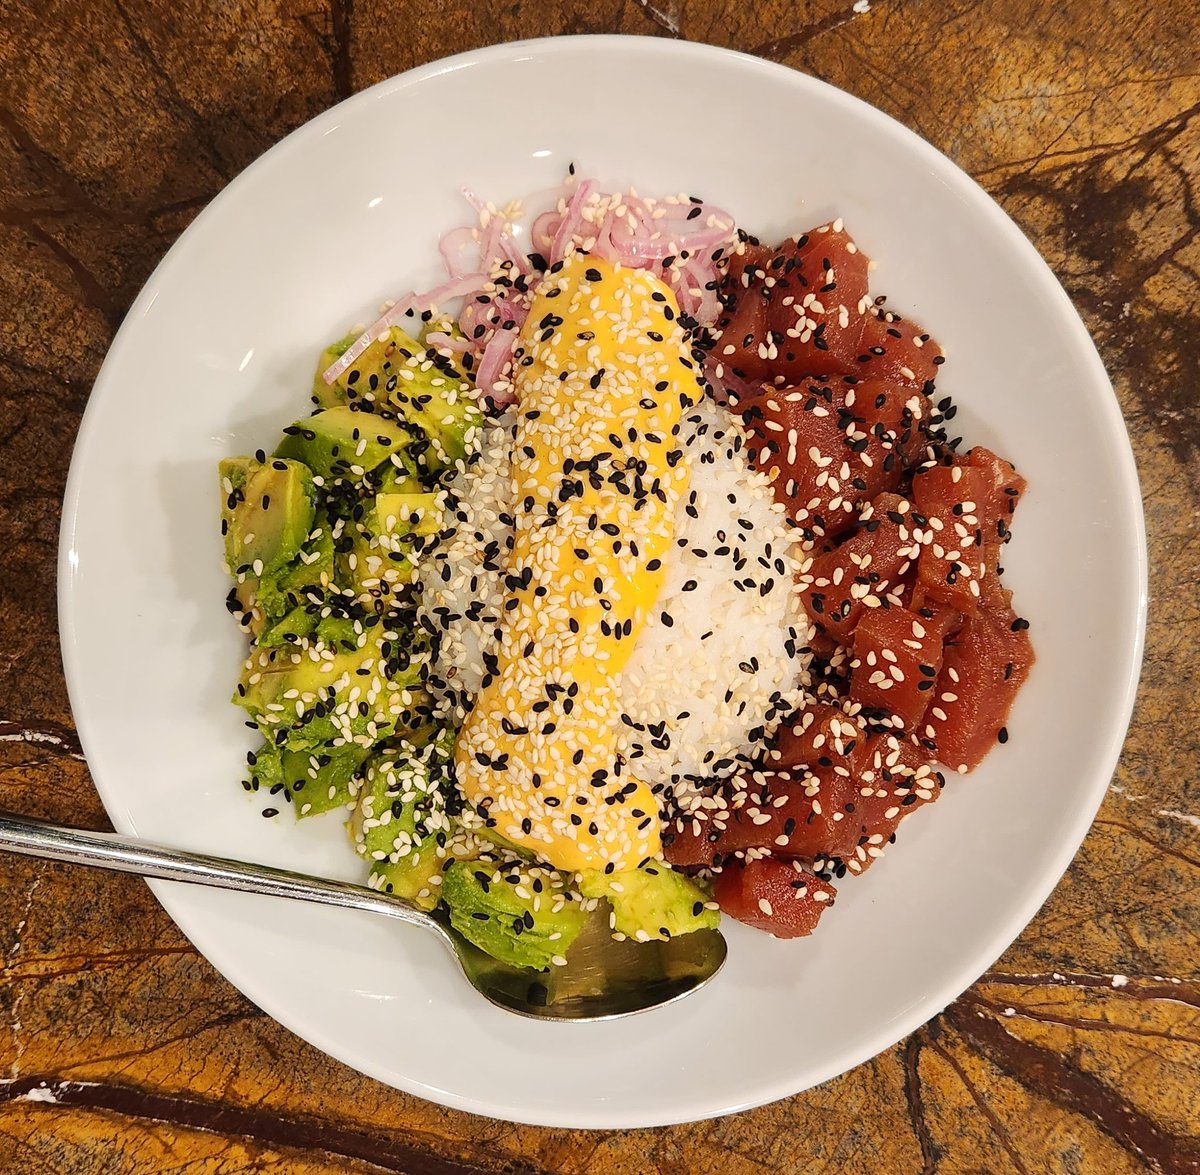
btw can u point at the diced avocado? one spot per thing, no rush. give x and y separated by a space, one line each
525 929
283 598
400 514
270 603
651 902
328 395
264 768
314 563
388 541
492 837
375 374
390 480
399 375
341 442
366 692
299 622
400 821
319 779
339 633
242 603
384 822
401 802
314 733
412 877
267 513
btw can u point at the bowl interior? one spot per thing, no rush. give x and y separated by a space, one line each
215 357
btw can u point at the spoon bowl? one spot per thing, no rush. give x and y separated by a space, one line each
602 979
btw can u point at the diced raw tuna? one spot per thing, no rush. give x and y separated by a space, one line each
830 447
892 416
823 646
896 348
837 587
1006 485
968 505
954 562
791 813
744 300
917 654
897 658
1005 490
831 792
895 778
795 311
775 896
795 436
984 666
816 736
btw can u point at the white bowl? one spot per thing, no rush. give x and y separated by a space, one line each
215 357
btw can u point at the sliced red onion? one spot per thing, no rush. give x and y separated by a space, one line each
544 229
452 246
440 341
520 260
690 281
495 238
572 221
476 314
496 357
646 232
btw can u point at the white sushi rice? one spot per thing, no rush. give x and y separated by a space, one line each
722 658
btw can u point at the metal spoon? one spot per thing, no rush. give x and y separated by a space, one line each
602 980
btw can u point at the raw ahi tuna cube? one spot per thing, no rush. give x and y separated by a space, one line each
869 565
897 658
896 348
776 896
795 311
985 665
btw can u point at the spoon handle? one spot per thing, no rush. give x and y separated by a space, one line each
108 850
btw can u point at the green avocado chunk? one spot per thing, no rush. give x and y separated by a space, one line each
319 778
305 621
500 909
282 609
264 768
653 902
341 442
414 877
314 779
510 848
314 565
293 625
390 480
400 824
398 375
388 540
327 691
267 514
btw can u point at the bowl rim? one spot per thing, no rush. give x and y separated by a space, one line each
952 984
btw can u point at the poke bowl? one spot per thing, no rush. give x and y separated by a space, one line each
572 593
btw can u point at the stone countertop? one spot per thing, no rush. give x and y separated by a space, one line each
123 1051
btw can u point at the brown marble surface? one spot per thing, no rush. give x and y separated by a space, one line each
119 119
